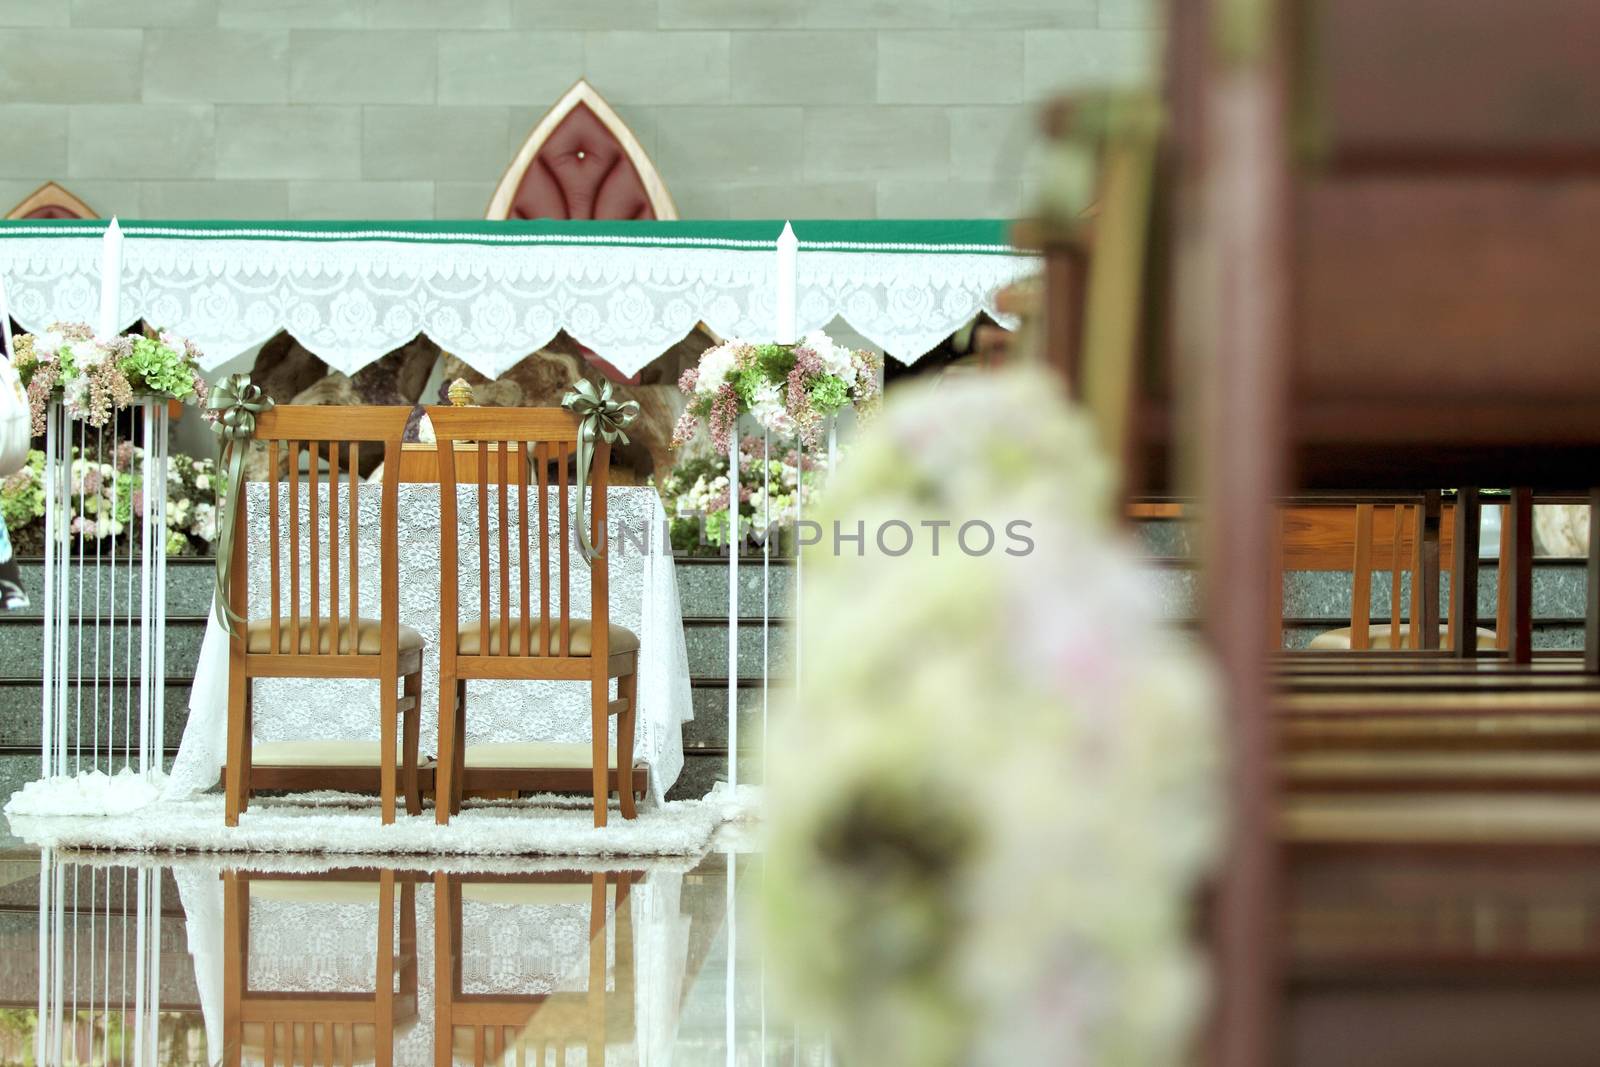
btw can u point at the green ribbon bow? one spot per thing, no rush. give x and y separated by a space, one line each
237 403
603 418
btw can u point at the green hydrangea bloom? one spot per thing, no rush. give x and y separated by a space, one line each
22 494
829 394
154 367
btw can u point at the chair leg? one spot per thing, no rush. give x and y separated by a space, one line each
249 745
628 691
459 791
238 689
389 711
408 945
444 776
446 934
600 745
595 997
236 935
412 727
383 1053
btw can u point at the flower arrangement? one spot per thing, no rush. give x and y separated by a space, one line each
696 496
105 497
193 504
96 376
987 823
789 389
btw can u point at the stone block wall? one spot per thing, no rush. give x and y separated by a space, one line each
413 108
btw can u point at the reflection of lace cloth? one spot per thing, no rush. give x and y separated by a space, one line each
512 948
310 946
644 598
516 949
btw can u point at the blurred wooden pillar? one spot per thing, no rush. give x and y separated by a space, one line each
1234 321
1065 274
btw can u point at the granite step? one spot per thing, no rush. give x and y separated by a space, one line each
189 584
703 587
20 711
707 644
22 646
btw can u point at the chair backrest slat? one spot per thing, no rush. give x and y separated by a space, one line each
566 576
333 546
483 546
355 537
294 547
1361 581
507 440
502 461
542 473
313 536
524 608
273 537
333 530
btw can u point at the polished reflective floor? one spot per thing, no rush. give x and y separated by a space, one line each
1401 955
118 960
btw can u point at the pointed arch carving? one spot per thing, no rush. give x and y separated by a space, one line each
581 162
51 201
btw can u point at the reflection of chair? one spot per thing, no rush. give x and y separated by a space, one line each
500 644
303 642
291 1027
484 1028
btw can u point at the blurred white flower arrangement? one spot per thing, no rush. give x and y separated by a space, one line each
991 807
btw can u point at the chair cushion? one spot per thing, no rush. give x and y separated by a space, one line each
620 638
543 755
1339 640
312 890
543 893
272 754
369 636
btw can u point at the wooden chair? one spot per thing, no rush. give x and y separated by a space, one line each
481 1028
501 644
302 641
1401 544
349 1028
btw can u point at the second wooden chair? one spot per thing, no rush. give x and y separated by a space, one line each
514 639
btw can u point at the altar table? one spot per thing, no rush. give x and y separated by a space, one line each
644 598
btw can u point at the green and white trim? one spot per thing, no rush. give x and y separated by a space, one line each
491 292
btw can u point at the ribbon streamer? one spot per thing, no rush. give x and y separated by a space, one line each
236 403
603 419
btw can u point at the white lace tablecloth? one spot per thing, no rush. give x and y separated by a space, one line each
644 598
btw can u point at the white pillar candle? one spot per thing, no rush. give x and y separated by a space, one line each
788 287
110 279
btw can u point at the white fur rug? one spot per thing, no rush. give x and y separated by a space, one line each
345 824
